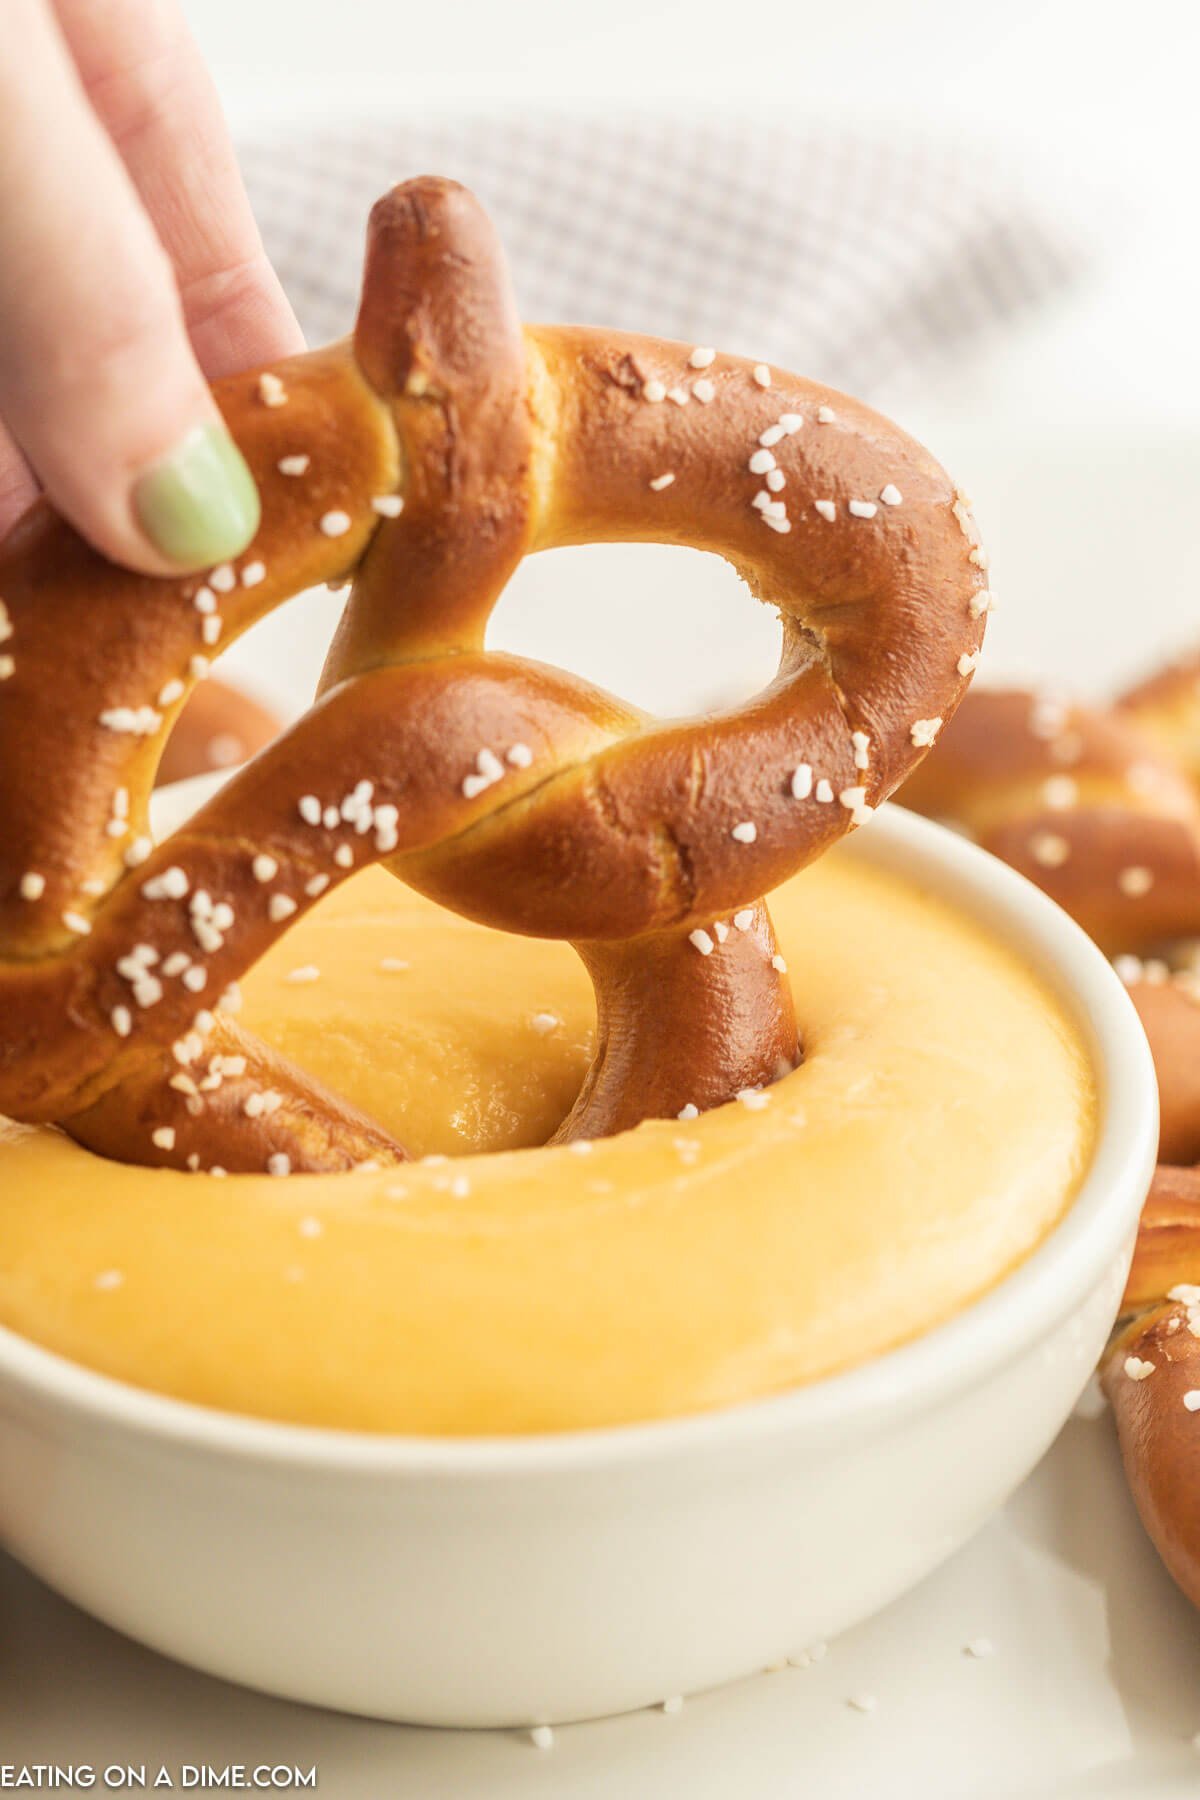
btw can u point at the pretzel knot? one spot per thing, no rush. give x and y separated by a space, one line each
422 459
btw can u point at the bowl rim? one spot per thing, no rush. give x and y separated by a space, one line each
1017 1311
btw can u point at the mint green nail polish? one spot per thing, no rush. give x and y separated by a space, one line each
199 505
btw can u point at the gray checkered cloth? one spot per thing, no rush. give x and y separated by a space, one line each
854 256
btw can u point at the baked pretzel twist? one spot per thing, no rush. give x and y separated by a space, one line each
421 460
1101 807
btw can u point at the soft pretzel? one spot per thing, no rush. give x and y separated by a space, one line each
1082 802
1101 807
421 460
1151 1374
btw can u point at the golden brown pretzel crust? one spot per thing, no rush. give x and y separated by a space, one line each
1170 1014
1152 1380
1151 1374
423 459
1080 801
1166 708
1168 1244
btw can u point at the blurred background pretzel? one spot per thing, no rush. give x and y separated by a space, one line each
1101 808
219 727
421 460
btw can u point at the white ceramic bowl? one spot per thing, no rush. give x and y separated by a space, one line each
514 1581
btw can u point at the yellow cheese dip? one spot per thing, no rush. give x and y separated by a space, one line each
937 1130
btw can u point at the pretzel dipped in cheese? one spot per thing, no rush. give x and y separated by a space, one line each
1101 807
420 461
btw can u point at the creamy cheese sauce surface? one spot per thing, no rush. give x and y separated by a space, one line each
937 1129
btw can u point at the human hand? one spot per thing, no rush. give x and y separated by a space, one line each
131 270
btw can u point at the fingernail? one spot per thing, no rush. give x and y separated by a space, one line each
199 505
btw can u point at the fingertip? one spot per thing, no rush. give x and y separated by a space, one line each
197 505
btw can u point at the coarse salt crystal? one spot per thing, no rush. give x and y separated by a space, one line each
1049 850
1060 792
138 721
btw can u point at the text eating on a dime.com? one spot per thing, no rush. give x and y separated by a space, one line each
131 1777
